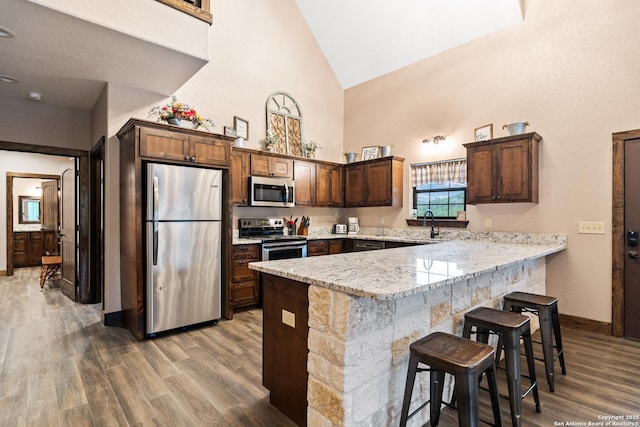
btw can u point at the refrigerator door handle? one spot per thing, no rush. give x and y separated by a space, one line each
154 207
155 243
155 220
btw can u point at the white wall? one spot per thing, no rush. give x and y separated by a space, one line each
11 161
570 70
39 123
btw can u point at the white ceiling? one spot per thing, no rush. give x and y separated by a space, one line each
364 39
70 59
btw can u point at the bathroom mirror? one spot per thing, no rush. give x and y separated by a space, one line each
29 207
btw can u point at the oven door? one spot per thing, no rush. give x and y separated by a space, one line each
283 250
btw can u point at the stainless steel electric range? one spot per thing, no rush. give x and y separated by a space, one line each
275 244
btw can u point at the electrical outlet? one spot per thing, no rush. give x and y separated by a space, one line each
288 318
488 223
585 227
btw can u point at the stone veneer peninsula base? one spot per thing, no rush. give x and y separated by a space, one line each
349 359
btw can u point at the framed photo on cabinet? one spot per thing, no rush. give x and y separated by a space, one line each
369 153
484 133
241 126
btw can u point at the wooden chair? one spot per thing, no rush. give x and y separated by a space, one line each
50 267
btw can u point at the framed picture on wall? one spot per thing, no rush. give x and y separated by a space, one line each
241 126
484 133
369 153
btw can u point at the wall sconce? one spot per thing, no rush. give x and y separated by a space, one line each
436 139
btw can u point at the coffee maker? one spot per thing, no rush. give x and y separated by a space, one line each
353 227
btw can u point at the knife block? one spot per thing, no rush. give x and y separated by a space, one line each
303 231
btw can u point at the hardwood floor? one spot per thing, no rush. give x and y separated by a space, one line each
59 366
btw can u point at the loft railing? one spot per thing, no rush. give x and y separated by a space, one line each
196 8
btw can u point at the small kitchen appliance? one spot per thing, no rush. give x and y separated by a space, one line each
353 225
340 229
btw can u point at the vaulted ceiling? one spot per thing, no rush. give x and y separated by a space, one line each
54 53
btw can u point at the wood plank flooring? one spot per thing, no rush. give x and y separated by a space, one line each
59 366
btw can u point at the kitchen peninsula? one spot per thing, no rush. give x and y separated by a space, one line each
337 328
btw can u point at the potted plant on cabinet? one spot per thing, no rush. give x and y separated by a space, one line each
270 141
309 149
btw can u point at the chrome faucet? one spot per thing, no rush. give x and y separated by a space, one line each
434 233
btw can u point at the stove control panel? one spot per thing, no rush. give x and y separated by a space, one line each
260 223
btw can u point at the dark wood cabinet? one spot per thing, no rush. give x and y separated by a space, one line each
317 247
329 191
503 170
245 284
179 147
271 165
27 248
336 246
376 182
240 178
305 179
142 141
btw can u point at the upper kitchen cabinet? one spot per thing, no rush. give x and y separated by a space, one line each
240 177
271 165
305 179
179 146
329 191
374 183
503 170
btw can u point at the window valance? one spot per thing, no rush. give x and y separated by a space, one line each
454 170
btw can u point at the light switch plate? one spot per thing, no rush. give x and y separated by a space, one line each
289 318
488 223
586 227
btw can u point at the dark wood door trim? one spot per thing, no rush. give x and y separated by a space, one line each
83 200
617 231
9 196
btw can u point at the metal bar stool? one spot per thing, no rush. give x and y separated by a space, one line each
466 360
510 327
546 308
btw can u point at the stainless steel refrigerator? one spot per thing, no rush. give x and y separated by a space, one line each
183 246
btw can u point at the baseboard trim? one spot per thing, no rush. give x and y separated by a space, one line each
115 318
582 324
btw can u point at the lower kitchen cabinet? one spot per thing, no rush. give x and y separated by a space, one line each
245 283
324 247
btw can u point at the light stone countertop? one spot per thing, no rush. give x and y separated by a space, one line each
394 273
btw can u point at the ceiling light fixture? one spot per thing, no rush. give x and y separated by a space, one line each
35 96
5 32
8 79
436 139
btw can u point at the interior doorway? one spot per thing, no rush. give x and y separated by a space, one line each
625 321
83 293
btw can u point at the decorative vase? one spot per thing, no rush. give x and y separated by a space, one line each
310 154
269 148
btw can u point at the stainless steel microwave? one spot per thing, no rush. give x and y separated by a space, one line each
277 192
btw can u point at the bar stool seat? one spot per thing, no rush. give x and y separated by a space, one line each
50 266
466 360
510 327
546 308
